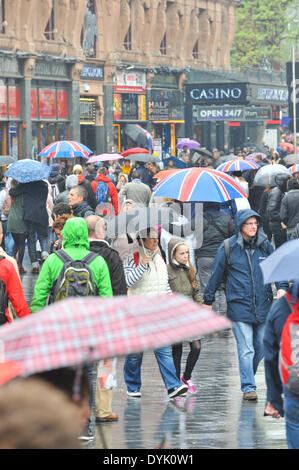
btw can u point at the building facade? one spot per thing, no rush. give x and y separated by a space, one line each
83 69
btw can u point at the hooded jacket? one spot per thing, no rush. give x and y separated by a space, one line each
248 299
35 196
76 245
111 189
14 289
91 200
178 273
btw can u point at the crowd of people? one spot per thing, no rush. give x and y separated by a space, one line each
64 220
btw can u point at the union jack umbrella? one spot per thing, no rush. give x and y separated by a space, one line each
294 169
237 165
86 329
198 185
65 149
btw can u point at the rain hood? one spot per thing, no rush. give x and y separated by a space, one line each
172 245
75 233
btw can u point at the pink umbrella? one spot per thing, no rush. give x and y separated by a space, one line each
252 156
83 329
104 157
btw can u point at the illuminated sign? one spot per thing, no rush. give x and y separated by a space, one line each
225 93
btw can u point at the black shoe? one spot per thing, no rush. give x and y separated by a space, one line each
176 391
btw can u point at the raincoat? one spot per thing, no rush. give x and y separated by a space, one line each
76 245
248 299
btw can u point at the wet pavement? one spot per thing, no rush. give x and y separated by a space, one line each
216 417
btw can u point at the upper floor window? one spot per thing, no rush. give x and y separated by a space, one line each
49 31
128 40
195 53
89 31
163 46
2 17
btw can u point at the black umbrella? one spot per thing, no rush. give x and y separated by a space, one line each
6 160
138 135
291 159
204 151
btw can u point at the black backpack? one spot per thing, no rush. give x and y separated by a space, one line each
3 300
75 278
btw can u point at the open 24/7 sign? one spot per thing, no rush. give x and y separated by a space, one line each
231 113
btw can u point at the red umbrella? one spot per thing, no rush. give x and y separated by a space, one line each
84 329
132 151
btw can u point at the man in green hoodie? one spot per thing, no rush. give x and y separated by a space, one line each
76 245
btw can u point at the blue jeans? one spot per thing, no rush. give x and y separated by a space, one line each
42 234
132 369
291 411
249 338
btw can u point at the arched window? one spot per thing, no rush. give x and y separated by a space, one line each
49 31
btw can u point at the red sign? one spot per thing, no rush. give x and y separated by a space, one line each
62 104
3 101
34 103
117 103
14 102
47 103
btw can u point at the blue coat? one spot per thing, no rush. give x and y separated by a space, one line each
248 299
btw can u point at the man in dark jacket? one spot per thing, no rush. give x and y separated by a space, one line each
275 196
35 214
97 244
77 200
217 226
82 181
289 208
248 299
56 177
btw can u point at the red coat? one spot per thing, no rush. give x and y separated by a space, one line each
14 289
111 189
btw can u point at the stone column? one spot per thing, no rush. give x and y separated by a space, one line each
28 67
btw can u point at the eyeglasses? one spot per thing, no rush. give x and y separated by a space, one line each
252 224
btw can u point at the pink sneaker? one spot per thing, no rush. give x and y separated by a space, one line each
189 384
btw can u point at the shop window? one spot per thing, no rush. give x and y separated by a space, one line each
49 31
163 46
128 40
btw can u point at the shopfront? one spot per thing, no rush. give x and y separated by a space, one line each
165 113
129 105
10 109
49 104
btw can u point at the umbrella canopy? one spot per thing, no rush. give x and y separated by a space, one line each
291 159
139 135
141 218
26 171
204 151
142 157
199 185
85 329
134 150
265 176
6 160
225 158
237 165
104 157
164 173
176 162
252 156
294 169
289 146
282 264
65 149
191 144
252 146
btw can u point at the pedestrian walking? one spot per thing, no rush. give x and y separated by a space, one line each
289 208
77 198
136 190
98 244
105 193
82 181
217 226
5 205
275 196
122 181
182 279
11 290
56 180
146 273
35 196
18 228
70 182
248 299
126 243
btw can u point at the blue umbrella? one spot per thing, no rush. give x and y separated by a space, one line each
26 171
177 162
282 264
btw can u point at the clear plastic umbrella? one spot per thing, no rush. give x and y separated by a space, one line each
265 176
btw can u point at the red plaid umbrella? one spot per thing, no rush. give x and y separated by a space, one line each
84 329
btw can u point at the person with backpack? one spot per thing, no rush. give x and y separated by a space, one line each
11 290
248 299
90 267
77 198
281 364
105 193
